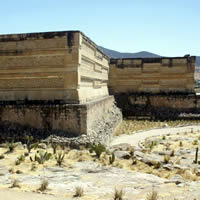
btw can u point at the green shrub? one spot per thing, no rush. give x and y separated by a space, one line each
98 149
54 146
118 195
166 159
153 195
41 157
11 146
195 142
43 185
112 159
78 192
29 143
60 158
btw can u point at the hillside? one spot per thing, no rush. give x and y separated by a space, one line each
116 54
141 54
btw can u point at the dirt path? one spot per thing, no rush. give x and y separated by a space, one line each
9 194
135 138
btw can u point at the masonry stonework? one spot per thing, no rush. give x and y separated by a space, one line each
152 75
55 81
160 88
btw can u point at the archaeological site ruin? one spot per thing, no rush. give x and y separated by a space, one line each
62 81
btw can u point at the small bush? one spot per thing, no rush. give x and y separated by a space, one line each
42 157
152 144
180 143
164 137
33 167
195 142
54 146
15 184
134 160
2 156
21 158
29 143
157 165
166 159
132 151
43 185
98 149
78 192
112 159
11 146
118 195
153 195
172 153
60 158
17 162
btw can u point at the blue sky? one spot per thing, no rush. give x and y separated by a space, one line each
165 27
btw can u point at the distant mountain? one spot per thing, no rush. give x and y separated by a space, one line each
116 54
197 60
141 54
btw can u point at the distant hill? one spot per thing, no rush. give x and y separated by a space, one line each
116 54
141 54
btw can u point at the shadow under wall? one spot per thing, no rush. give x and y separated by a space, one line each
160 106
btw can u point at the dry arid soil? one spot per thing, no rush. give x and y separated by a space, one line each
159 160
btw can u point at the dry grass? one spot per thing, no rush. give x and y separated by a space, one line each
78 192
15 184
129 126
153 195
118 195
43 185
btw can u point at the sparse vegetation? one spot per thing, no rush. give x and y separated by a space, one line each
180 143
151 144
112 158
98 149
164 137
129 126
11 146
78 192
195 142
29 143
33 167
15 184
2 156
166 159
54 146
119 194
43 185
60 158
41 157
157 165
153 195
172 153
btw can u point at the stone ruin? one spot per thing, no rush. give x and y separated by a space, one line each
60 82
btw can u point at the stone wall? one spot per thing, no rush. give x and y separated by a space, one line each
65 66
152 75
60 119
159 106
52 82
93 71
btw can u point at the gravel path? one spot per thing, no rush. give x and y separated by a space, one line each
135 138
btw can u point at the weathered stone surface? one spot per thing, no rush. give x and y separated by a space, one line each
122 154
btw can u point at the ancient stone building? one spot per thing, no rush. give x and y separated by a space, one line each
64 66
53 81
152 75
157 87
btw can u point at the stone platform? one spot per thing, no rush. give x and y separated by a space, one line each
57 118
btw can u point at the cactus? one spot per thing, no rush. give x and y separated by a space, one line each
112 159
